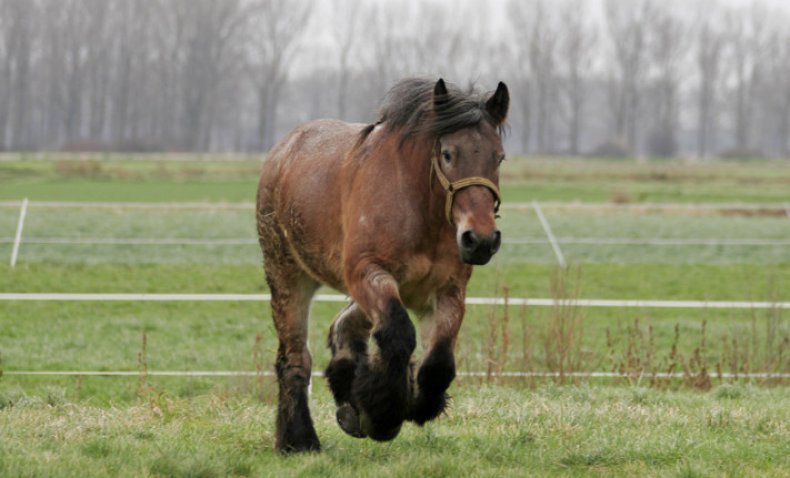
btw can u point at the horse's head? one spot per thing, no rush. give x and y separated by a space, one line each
466 163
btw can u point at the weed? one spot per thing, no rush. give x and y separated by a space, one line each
142 365
79 168
258 363
562 341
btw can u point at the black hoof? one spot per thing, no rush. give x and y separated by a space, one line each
378 433
308 446
348 419
427 408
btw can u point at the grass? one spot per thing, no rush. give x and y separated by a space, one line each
222 335
157 178
525 239
699 425
489 431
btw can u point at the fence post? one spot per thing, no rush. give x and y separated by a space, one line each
18 239
552 239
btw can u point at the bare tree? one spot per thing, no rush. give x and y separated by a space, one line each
669 45
627 28
782 76
276 27
710 44
211 29
21 41
98 60
577 54
214 75
6 54
379 30
345 30
744 30
537 41
16 57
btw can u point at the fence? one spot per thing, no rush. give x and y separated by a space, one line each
555 228
568 232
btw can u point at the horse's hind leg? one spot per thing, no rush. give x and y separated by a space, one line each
292 290
348 340
290 308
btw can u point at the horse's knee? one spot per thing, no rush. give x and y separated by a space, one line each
433 379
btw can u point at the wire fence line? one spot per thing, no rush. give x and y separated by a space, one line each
550 235
18 236
197 224
513 301
267 373
595 241
780 207
132 205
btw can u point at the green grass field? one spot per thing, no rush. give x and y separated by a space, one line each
697 425
490 431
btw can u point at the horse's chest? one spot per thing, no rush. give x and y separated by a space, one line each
422 278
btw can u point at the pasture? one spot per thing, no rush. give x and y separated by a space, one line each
706 419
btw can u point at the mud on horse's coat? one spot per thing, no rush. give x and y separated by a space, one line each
394 214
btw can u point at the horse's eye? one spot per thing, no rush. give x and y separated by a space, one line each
446 156
501 158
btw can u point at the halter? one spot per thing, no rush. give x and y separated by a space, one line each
453 187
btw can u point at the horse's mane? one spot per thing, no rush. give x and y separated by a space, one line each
408 107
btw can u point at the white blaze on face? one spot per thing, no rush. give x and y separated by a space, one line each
462 225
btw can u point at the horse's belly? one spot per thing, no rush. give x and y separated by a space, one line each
303 181
322 263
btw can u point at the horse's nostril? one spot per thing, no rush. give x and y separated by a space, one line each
496 242
469 240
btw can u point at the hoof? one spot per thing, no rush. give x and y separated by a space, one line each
348 419
378 433
310 446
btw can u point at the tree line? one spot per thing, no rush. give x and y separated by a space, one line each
637 77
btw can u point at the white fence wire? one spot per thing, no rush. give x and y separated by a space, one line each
91 229
768 207
556 241
514 301
267 373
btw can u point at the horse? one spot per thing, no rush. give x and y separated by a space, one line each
394 214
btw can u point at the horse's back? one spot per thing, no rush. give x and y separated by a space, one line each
300 194
316 140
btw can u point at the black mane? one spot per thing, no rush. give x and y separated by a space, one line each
409 106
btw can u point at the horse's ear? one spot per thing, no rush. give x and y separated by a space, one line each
439 91
498 104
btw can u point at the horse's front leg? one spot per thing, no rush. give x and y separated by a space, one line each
439 329
381 389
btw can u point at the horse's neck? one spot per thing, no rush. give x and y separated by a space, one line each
429 196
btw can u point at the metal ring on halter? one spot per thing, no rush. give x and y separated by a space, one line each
453 187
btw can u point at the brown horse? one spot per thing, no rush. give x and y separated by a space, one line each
393 214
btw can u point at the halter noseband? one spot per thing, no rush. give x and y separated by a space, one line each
453 187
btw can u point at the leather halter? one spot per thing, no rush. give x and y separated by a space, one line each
451 188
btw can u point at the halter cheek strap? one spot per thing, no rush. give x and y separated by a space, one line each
453 187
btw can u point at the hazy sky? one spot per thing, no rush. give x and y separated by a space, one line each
319 46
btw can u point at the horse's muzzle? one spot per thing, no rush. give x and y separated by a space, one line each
478 250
